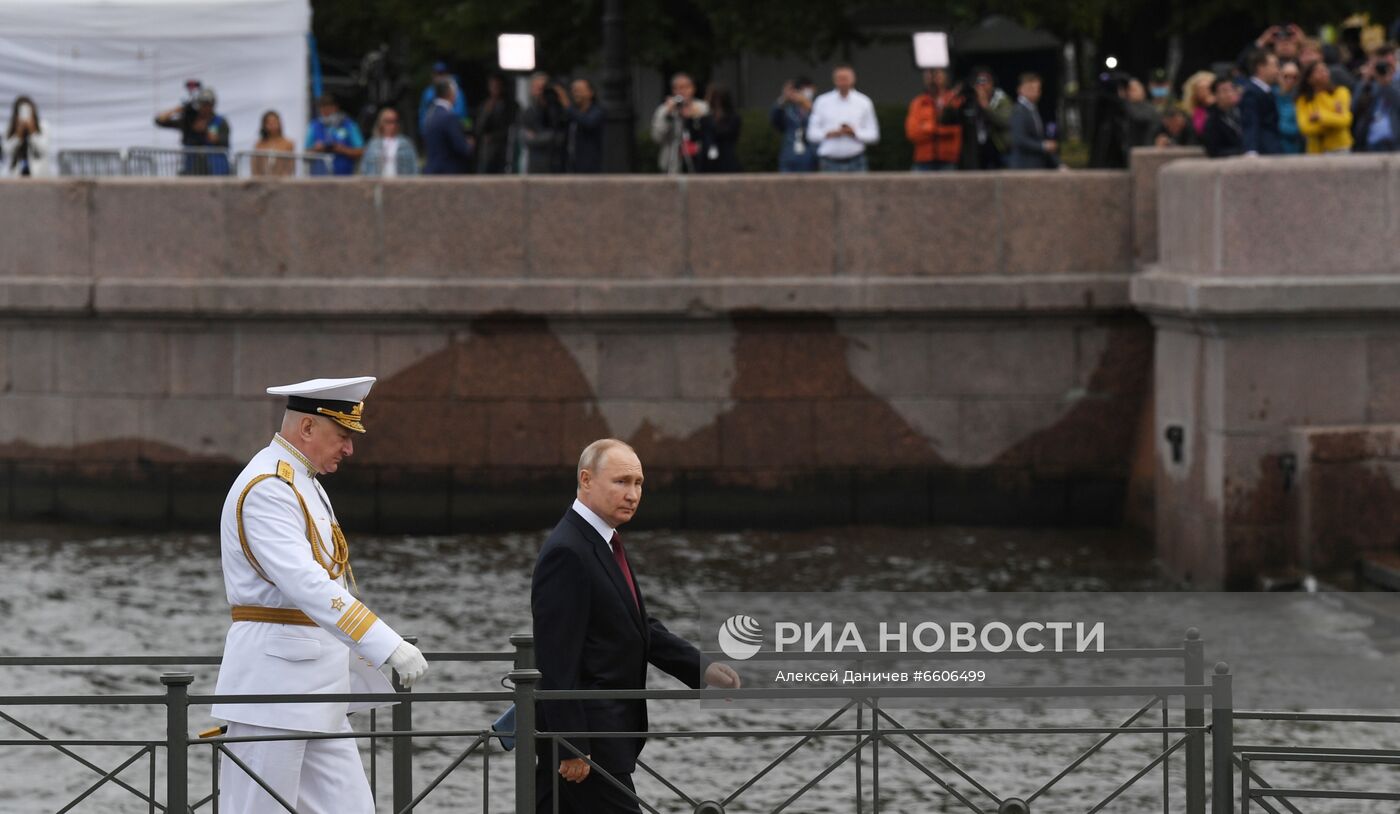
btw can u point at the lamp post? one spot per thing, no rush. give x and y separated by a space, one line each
618 129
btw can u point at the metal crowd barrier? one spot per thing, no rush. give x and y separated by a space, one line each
1255 789
91 163
264 163
163 162
191 162
881 730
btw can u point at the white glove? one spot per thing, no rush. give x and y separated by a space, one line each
409 663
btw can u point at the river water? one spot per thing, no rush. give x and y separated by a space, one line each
76 592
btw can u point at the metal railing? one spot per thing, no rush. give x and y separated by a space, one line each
1255 789
876 729
192 162
274 163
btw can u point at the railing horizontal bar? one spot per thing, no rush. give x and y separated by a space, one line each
944 655
107 661
51 742
1353 717
375 735
889 733
1319 757
993 691
344 697
1318 750
507 656
78 700
1325 794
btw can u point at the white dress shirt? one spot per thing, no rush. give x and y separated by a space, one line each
830 111
390 157
596 522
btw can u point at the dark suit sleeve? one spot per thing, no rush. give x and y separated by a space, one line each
1023 133
1249 119
457 138
676 656
559 604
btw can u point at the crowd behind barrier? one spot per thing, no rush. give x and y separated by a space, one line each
1286 93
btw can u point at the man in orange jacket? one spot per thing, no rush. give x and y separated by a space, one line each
936 145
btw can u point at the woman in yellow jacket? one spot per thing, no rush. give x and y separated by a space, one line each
1324 112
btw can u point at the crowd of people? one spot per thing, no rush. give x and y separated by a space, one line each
1287 93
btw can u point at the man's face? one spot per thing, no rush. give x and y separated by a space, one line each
1174 123
1226 95
325 443
1286 49
537 84
1031 90
326 111
1136 92
615 490
682 86
581 92
844 79
1268 72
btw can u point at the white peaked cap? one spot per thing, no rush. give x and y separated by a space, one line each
353 389
340 400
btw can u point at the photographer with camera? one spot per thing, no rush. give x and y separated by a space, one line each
984 114
789 116
677 127
544 126
199 126
26 147
1376 108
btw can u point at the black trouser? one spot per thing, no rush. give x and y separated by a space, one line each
595 795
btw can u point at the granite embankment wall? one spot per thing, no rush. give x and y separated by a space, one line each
780 350
1277 365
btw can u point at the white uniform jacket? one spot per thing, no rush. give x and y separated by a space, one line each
268 658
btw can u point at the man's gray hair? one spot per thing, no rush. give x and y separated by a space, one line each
443 88
593 454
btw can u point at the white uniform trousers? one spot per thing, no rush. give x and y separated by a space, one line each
317 776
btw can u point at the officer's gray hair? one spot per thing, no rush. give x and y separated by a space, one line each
594 453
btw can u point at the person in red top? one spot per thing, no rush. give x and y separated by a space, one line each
936 145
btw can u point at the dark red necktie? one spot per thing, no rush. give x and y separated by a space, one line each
620 556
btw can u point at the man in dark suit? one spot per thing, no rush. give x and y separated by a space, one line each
1222 135
592 632
444 141
1258 108
1030 149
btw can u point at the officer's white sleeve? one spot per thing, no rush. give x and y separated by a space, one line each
275 529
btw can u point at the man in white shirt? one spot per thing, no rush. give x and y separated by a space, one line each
843 124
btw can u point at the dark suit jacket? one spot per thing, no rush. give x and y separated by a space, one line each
445 144
1222 136
1027 142
1259 120
589 635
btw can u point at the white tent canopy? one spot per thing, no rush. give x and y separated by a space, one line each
100 70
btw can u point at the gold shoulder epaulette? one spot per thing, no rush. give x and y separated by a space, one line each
284 471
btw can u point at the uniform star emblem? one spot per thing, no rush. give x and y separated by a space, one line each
337 604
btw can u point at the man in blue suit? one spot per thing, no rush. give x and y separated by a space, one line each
592 632
1258 109
1030 149
444 140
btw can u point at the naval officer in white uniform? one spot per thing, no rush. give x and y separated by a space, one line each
297 626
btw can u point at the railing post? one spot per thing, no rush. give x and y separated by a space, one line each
525 682
177 738
524 644
401 720
1222 740
1195 675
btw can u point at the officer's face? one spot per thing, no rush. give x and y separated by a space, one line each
328 443
615 490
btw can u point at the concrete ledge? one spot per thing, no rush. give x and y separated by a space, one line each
1246 217
451 298
1159 291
